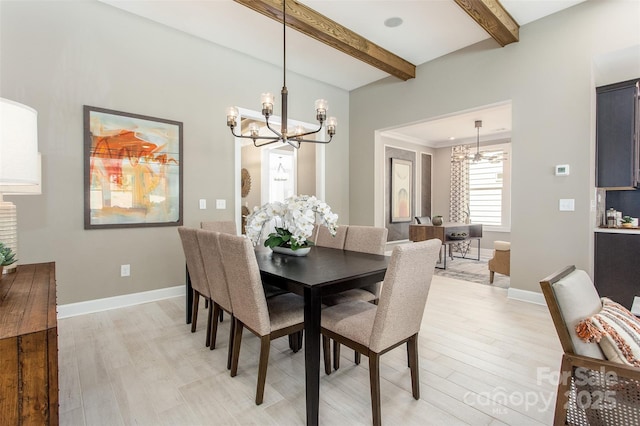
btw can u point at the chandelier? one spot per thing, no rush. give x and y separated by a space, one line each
478 156
285 135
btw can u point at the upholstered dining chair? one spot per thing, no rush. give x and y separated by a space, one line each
373 330
266 318
585 374
323 238
365 239
218 286
195 266
501 261
224 226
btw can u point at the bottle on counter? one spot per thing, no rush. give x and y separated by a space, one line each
611 218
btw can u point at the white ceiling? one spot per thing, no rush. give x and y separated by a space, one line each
430 29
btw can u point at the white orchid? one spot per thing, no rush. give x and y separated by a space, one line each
293 219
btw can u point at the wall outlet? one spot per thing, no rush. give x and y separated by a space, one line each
221 204
203 204
125 270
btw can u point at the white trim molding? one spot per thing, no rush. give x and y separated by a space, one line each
99 305
526 296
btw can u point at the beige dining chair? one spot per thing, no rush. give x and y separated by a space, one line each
364 239
218 286
224 226
198 277
266 318
323 238
373 330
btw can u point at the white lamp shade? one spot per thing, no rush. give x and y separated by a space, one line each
18 145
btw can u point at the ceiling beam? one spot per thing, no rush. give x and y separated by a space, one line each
491 16
323 29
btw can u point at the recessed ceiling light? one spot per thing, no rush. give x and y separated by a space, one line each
452 138
393 22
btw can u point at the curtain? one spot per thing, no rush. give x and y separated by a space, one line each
459 199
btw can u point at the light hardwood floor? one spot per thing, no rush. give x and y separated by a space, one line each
484 360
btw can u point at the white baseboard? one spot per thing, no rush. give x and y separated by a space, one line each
526 296
98 305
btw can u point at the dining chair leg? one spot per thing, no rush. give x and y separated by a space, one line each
356 357
232 327
215 313
293 342
237 340
374 378
491 274
210 322
336 355
326 349
194 310
412 348
265 345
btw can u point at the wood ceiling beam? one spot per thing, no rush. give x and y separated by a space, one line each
491 16
329 32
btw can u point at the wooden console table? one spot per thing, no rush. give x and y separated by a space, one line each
29 346
443 233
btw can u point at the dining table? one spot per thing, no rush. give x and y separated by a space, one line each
321 272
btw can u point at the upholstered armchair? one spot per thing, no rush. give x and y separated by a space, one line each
593 389
501 262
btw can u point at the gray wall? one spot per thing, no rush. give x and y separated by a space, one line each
57 56
548 76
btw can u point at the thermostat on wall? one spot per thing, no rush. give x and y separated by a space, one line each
562 170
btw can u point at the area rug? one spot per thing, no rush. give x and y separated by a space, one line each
472 270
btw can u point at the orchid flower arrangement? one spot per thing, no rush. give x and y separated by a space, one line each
293 219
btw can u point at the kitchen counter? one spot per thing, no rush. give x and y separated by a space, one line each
619 230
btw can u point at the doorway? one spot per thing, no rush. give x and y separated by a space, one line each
276 171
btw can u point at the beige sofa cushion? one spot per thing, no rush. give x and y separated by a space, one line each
578 299
616 330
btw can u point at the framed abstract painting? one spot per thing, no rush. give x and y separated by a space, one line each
132 170
401 196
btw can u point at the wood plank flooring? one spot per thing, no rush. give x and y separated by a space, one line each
484 360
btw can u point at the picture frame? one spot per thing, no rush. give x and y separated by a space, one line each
401 190
132 170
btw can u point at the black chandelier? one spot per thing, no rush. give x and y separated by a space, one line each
295 137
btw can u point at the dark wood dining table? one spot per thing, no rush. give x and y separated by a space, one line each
322 272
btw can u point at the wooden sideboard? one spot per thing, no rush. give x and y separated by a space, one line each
29 346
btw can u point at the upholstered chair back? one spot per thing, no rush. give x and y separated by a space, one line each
404 293
574 298
366 239
224 226
323 237
245 285
194 261
212 258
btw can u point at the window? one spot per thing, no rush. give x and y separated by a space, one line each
490 190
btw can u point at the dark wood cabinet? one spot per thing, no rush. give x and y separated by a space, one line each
617 135
29 346
616 274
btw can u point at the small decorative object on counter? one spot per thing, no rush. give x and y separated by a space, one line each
436 221
611 218
627 222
